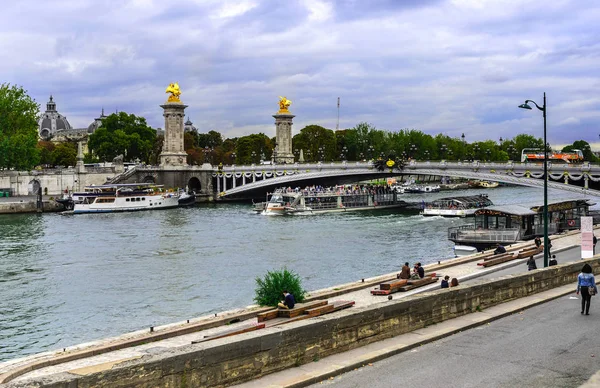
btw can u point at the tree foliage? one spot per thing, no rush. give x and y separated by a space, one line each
18 128
270 288
123 134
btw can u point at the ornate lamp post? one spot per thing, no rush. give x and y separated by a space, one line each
511 151
297 153
427 155
253 156
321 154
208 154
344 152
370 151
476 151
233 158
543 109
413 151
488 153
443 150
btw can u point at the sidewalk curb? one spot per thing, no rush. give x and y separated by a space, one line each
316 379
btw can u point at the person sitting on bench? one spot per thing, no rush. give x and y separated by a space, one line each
289 302
499 250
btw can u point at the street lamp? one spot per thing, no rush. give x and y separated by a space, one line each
413 151
344 152
208 154
476 151
443 150
488 153
233 158
546 241
427 155
253 156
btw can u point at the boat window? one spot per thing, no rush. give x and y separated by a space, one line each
126 199
143 199
137 199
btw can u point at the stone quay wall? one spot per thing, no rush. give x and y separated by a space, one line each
247 356
53 182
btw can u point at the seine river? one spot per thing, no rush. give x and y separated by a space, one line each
71 279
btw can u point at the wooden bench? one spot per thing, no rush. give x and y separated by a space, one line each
497 261
527 252
299 309
502 255
418 283
271 314
315 312
397 283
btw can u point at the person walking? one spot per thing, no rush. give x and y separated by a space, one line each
587 285
531 264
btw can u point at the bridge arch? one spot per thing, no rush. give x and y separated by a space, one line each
149 179
194 185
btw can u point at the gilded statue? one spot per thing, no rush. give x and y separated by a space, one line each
284 103
175 92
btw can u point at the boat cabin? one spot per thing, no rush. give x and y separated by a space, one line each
510 223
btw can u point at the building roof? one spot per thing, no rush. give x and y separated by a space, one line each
51 121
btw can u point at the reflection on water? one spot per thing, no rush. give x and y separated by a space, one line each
70 279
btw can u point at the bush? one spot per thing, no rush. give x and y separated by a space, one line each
269 289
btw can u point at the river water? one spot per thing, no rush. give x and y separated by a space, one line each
71 279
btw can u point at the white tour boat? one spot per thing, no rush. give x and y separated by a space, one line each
331 200
127 197
456 206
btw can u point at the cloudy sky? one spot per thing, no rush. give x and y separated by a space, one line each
449 66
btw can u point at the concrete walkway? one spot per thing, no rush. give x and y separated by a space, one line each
329 367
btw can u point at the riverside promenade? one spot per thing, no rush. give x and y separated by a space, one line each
96 358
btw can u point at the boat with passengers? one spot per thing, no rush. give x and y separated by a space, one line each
316 200
509 224
456 206
125 197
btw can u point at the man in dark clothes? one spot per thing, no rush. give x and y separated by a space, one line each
445 283
552 261
537 241
421 271
499 250
289 302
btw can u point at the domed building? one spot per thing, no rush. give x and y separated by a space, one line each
51 121
96 124
189 126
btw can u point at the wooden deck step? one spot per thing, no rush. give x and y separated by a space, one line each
299 309
337 305
271 314
503 255
418 283
397 283
497 261
530 252
316 311
230 332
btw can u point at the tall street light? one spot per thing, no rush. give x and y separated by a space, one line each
546 241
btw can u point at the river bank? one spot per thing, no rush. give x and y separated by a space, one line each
464 268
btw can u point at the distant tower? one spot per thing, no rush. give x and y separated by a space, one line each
173 153
337 126
283 132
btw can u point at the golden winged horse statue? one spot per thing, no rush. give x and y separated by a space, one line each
284 103
175 92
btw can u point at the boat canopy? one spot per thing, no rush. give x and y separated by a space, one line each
468 201
120 185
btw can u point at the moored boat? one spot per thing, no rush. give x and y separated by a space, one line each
456 206
509 224
487 184
186 199
127 197
339 199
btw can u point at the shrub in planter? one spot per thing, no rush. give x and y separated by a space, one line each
269 289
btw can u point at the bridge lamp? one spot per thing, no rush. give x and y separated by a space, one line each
543 109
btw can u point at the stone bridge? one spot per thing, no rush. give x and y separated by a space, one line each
254 181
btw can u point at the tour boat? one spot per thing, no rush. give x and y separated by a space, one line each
303 202
127 197
417 189
456 206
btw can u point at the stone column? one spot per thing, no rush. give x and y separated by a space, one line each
283 136
80 167
173 153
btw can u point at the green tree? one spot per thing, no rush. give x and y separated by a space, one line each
123 134
45 148
64 154
584 147
318 143
18 128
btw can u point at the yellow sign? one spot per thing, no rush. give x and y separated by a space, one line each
390 163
